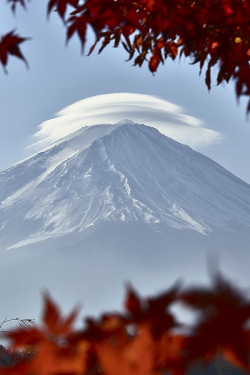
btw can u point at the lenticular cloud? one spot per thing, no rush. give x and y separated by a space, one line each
167 117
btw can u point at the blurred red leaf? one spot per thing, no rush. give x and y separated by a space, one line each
9 45
133 303
171 353
141 341
134 357
152 311
23 337
61 6
53 320
78 25
15 2
225 312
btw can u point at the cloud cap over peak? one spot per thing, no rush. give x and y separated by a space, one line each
150 110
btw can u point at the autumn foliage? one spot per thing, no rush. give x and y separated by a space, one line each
211 32
145 339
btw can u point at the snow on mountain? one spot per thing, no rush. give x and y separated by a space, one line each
111 203
126 172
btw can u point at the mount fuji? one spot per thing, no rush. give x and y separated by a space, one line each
112 203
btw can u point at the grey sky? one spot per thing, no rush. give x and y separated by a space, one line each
59 76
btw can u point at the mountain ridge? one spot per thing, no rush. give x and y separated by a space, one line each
126 172
111 204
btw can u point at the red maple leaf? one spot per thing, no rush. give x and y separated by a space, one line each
54 323
9 45
152 311
61 6
224 313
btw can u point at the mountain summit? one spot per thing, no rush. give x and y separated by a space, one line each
125 172
112 203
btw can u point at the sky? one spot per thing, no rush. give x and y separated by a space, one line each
63 90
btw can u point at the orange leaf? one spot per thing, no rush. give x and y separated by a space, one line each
154 63
53 320
136 357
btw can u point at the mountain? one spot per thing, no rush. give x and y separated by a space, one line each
111 203
125 172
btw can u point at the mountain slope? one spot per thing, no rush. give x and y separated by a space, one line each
126 172
116 203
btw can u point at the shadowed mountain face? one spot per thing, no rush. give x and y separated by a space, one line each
112 203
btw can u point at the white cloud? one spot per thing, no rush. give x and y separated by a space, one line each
168 118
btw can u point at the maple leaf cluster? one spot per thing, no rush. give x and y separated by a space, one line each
211 32
143 339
